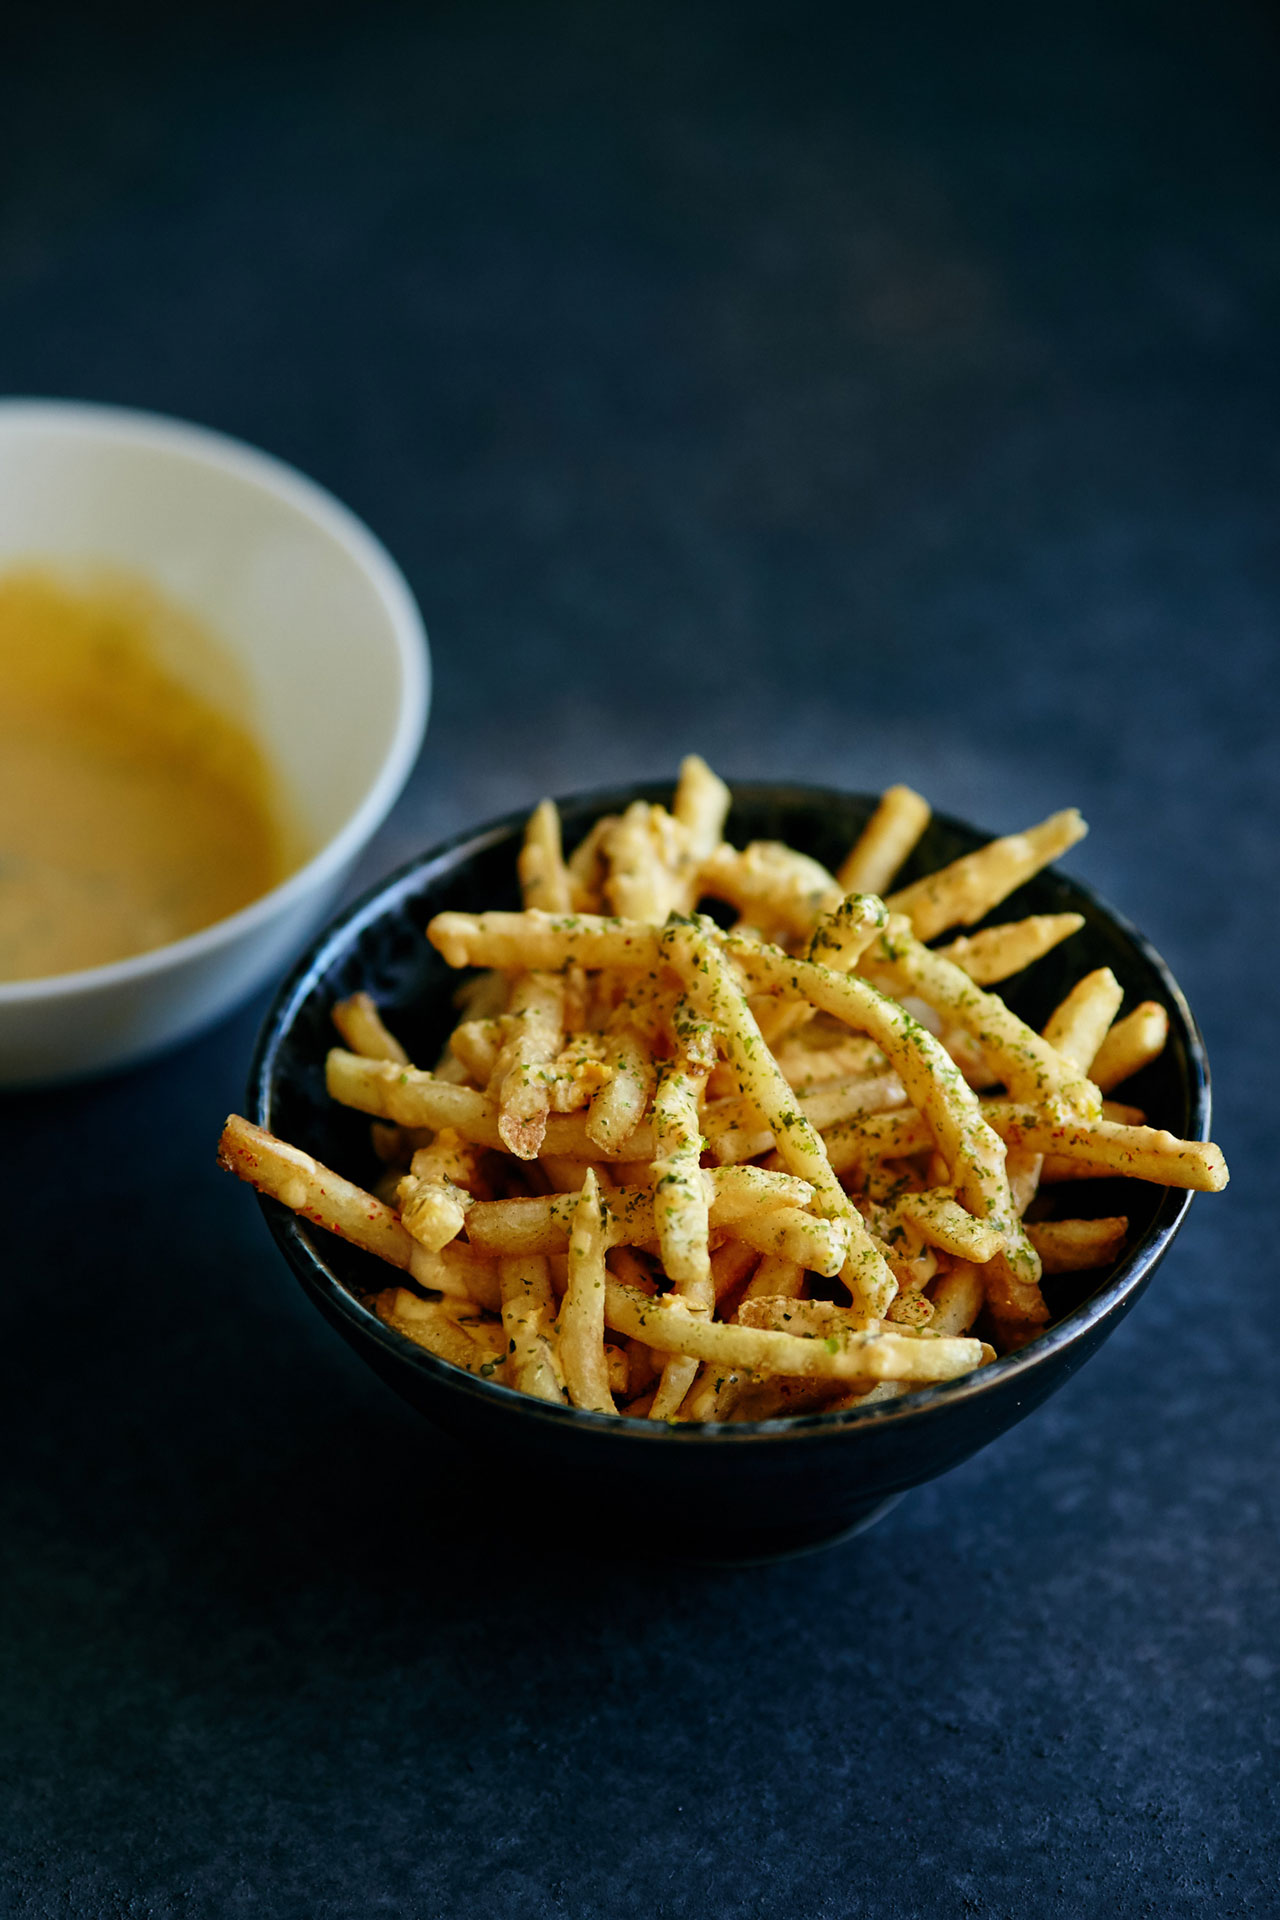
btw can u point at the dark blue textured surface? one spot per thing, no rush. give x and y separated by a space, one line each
855 394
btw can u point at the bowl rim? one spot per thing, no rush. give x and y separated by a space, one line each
204 446
320 1281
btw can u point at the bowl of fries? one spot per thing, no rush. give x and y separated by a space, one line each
734 1190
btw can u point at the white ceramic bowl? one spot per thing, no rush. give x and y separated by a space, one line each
317 616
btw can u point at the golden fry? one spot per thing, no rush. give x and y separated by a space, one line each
1132 1043
997 952
544 878
1073 1246
580 1340
885 842
1078 1027
361 1026
970 887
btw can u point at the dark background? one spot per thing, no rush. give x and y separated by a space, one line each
851 393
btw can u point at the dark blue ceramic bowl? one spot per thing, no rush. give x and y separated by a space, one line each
733 1491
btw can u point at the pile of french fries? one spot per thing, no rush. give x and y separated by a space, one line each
673 1170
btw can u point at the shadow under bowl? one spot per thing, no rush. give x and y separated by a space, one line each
713 1492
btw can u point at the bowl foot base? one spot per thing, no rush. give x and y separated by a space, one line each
783 1545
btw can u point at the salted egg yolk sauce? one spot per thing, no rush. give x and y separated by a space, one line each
134 808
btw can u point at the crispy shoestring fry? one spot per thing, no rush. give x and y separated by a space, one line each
528 1316
701 806
996 952
544 878
415 1099
885 842
970 887
1078 1027
307 1188
1073 1246
958 1298
771 884
1132 1043
361 1026
642 883
1106 1147
871 1353
580 1339
774 1278
621 1104
429 1325
533 1033
651 1151
680 1194
515 942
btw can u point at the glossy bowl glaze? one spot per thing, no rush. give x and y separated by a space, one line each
737 1491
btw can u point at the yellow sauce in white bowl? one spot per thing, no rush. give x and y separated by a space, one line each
133 810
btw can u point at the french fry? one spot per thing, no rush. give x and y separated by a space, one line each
807 1067
776 1277
585 867
427 1324
875 1353
997 952
732 1263
958 1297
680 1207
312 1190
415 1099
970 887
475 1044
580 1339
738 1192
544 878
1078 1027
1073 1246
911 1308
361 1026
944 1223
701 806
620 1106
528 1315
716 1393
542 1225
839 1100
641 882
786 1314
520 942
433 1211
853 1146
533 1033
781 1398
842 936
485 1329
460 1272
788 1233
680 1200
1131 1044
885 842
771 884
1107 1148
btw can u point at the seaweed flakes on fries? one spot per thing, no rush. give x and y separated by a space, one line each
671 1171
